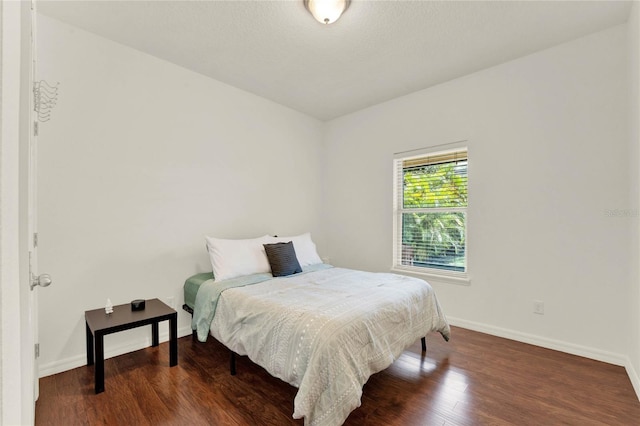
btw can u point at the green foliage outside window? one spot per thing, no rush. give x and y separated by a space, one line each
435 239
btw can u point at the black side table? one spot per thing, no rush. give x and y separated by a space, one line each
98 324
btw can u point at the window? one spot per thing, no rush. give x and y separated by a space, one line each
430 212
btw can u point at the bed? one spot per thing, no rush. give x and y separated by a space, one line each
324 330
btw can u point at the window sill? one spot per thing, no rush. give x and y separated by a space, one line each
460 279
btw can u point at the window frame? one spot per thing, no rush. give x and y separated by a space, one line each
450 276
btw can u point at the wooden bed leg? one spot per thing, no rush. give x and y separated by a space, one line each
424 344
232 364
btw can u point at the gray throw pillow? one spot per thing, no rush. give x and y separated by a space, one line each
282 258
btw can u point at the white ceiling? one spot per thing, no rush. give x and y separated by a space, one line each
377 51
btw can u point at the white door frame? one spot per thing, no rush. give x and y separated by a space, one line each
17 405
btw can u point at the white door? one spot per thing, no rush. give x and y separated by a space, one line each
18 373
37 280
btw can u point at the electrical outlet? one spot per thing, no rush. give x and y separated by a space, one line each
171 303
538 307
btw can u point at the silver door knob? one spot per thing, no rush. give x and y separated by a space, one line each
42 280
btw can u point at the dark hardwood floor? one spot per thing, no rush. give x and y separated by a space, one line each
475 379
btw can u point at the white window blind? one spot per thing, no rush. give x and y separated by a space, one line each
430 209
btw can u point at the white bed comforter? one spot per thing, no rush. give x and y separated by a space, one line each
326 332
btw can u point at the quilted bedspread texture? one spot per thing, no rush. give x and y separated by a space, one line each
340 327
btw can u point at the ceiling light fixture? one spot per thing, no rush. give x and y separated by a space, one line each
326 11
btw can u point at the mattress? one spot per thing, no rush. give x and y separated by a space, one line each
192 285
325 331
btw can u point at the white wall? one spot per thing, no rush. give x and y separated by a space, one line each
140 160
633 37
548 150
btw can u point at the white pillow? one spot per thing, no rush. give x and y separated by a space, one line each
234 258
305 248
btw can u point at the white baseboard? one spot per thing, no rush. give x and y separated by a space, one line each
584 351
633 376
81 359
